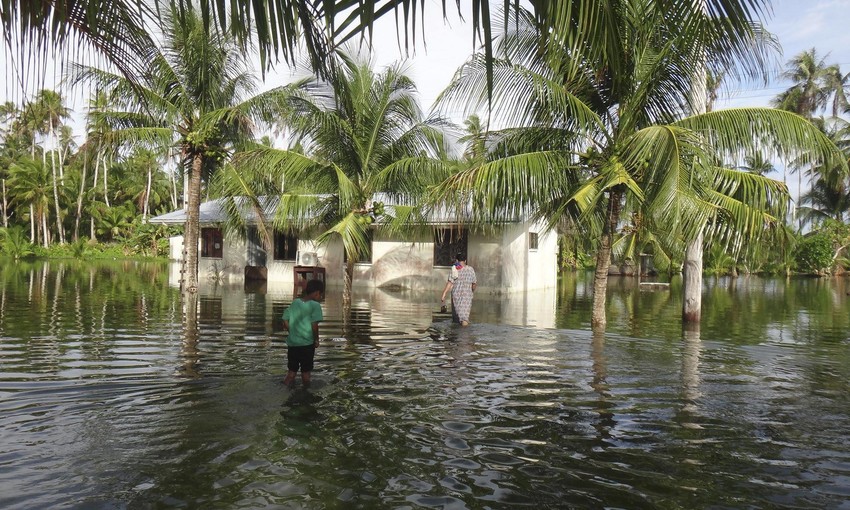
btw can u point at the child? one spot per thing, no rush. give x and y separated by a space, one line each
302 319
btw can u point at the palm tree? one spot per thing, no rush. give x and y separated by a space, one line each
46 114
807 94
756 163
603 136
357 136
30 185
825 200
475 140
195 95
835 82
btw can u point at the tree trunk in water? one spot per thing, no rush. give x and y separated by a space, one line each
348 279
192 230
692 282
189 350
603 262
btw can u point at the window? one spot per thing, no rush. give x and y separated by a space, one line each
211 243
285 246
366 258
448 242
532 240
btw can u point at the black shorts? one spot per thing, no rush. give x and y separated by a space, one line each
300 357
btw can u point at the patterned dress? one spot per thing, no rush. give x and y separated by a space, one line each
462 293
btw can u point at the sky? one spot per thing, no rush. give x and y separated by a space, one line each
798 24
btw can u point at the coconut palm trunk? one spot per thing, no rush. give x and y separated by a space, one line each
192 231
692 282
80 199
146 208
59 230
603 261
5 207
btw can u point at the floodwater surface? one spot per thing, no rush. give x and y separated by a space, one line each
111 398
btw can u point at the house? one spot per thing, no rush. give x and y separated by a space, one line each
514 257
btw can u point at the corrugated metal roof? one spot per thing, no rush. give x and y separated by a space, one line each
214 212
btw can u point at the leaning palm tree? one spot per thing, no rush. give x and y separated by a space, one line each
598 136
356 136
196 95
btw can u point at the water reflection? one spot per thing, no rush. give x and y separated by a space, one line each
115 392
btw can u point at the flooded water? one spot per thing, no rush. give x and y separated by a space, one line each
110 399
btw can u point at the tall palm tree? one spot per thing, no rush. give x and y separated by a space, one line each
49 111
196 95
807 94
600 136
357 136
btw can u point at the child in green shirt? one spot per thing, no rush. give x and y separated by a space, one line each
302 319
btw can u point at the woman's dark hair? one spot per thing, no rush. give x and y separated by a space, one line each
313 286
461 257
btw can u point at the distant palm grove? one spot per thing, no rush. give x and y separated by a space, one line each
611 138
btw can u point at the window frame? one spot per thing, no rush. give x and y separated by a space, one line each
533 241
289 243
210 236
448 242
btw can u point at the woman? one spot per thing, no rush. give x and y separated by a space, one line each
462 286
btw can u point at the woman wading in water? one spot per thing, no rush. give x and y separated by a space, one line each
462 287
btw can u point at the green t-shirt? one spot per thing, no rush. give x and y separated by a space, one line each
301 316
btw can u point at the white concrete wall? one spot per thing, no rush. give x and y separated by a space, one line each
543 262
501 259
515 257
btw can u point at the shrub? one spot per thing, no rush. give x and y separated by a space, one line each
814 254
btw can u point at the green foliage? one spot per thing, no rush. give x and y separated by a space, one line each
14 243
717 261
572 254
815 254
